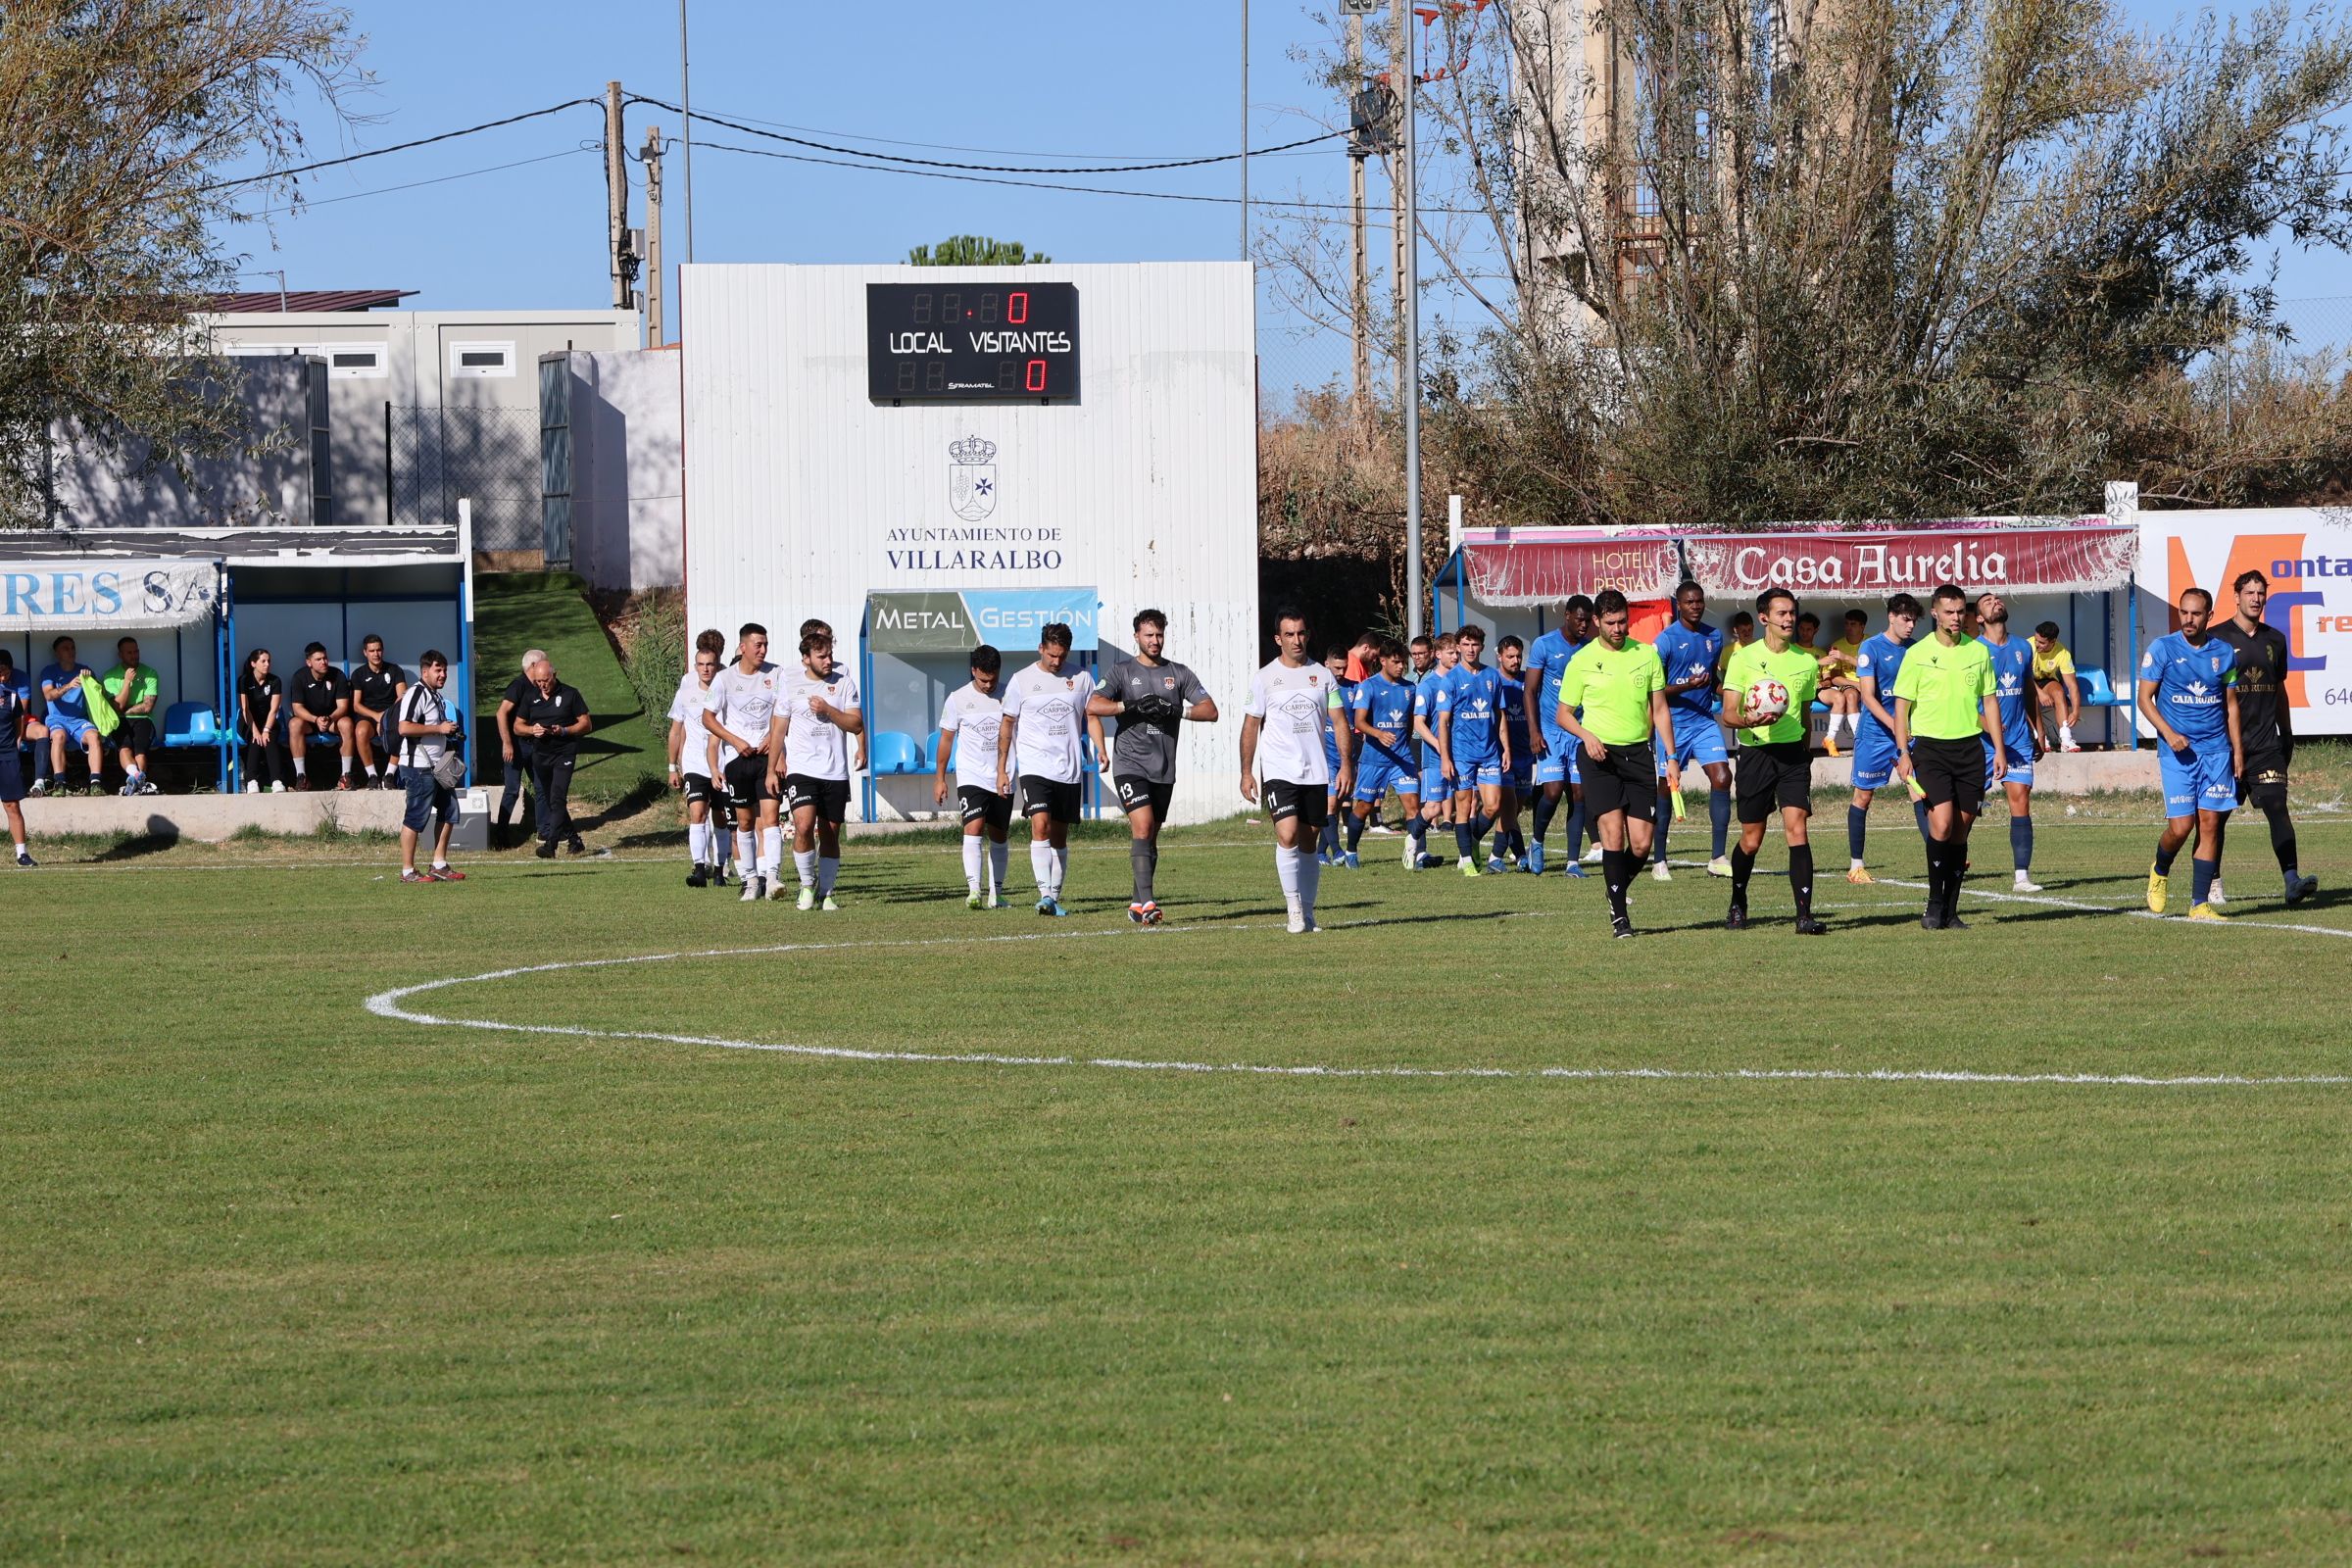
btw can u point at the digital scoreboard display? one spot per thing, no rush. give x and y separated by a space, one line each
971 342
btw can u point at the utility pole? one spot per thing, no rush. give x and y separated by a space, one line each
686 111
1360 294
616 201
1401 55
656 328
1408 227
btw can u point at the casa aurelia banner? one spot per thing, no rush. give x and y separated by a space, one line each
1009 619
44 596
2087 558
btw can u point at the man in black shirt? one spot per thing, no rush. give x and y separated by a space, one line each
319 710
555 719
515 749
2266 725
375 689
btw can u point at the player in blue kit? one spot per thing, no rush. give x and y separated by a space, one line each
1433 695
1876 666
1384 728
2020 729
1555 775
1471 745
1518 778
1339 746
2188 693
1691 652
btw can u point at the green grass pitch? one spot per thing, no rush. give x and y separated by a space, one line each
285 1281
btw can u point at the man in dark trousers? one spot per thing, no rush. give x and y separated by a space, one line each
553 718
2266 723
515 750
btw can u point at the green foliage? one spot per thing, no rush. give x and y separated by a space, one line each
515 612
121 119
652 649
973 249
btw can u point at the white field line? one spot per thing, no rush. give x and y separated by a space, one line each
391 1004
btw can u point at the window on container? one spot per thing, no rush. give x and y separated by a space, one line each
354 362
477 359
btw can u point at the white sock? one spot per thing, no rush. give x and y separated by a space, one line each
744 856
1853 865
805 863
698 843
440 864
772 850
2066 734
1310 877
1062 869
972 843
1285 872
1000 860
828 872
1041 866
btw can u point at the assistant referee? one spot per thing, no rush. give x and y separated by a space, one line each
1945 711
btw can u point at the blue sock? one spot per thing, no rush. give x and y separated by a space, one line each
1576 830
1718 820
2164 858
1418 831
1919 814
2021 842
1663 820
1465 842
2206 871
1857 830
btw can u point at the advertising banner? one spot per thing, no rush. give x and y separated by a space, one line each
1519 567
47 597
2089 556
2306 553
1011 618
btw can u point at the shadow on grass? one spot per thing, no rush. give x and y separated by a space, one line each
134 846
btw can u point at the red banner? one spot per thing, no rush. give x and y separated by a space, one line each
1506 572
2087 558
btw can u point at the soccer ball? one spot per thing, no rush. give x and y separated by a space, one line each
1765 700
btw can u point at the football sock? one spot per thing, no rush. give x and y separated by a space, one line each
973 849
1061 869
1310 878
1355 831
1418 831
698 836
1919 814
2282 837
1617 867
1576 830
350 765
743 853
2021 842
1942 862
2204 871
1140 858
1857 831
1546 807
1285 872
1660 820
1327 838
2164 858
805 863
2066 735
828 872
1801 877
771 850
1463 842
1041 866
1719 821
1743 863
1000 860
1955 875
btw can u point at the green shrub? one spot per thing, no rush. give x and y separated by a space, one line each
653 651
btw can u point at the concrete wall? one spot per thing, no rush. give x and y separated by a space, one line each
271 485
627 524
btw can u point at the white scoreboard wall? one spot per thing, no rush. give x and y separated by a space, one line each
803 492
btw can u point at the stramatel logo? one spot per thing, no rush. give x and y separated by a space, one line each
973 477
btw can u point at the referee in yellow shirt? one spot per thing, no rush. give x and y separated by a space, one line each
1621 686
1944 709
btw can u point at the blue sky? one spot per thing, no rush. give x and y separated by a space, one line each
1112 81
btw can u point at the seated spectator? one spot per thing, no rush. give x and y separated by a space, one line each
261 720
2054 683
515 750
16 727
319 710
555 719
69 722
426 730
134 689
375 689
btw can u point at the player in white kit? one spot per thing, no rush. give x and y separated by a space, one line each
817 710
740 709
1283 727
1038 744
693 765
968 738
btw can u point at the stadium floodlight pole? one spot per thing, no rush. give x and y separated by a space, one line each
686 112
1245 129
1411 87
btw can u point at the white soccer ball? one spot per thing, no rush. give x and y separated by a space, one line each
1767 700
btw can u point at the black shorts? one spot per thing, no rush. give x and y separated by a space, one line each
1625 780
1951 771
1137 793
702 789
1052 797
830 796
12 776
2265 780
134 735
1775 776
747 782
986 806
1311 804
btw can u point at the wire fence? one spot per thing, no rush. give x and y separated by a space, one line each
487 456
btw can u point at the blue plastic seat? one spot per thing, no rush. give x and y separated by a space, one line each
2098 690
931 751
190 724
895 752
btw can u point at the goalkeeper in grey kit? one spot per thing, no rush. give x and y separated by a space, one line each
1149 697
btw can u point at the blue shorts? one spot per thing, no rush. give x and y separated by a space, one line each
1519 779
2016 764
1377 773
1434 786
1486 772
1697 738
1874 756
2198 779
74 728
12 776
1558 765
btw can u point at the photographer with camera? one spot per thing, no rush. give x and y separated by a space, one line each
430 768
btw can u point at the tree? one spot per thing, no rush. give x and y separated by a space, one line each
972 250
123 119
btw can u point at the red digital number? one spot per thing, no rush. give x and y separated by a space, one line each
1036 381
1017 308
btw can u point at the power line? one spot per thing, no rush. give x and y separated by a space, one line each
956 147
989 169
401 147
387 190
